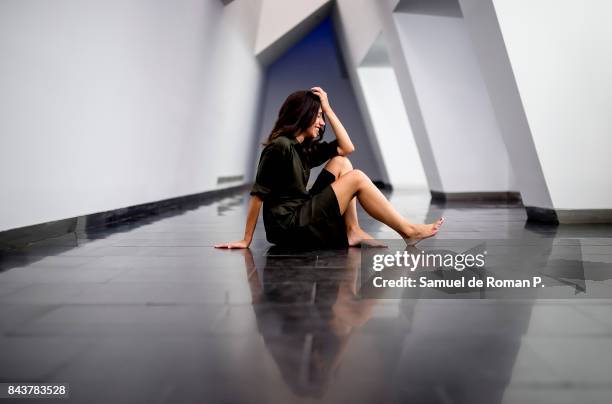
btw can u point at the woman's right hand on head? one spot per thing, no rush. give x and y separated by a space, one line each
323 97
235 244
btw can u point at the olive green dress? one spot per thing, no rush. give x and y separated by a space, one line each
292 215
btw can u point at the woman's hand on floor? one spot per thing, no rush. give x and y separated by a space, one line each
235 244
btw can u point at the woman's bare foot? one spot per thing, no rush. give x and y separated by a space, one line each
422 231
357 237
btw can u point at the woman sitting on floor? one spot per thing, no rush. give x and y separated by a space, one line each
326 215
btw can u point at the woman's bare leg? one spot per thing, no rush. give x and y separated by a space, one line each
340 166
356 183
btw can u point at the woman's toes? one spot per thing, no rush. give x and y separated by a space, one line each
438 223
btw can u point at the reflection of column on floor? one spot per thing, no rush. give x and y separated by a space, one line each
466 348
570 262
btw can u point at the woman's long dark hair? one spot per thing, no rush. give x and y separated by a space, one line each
298 113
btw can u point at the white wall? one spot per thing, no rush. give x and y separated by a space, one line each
482 26
383 16
360 27
561 55
392 128
356 30
112 104
465 139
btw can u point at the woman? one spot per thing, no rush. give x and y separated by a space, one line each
326 215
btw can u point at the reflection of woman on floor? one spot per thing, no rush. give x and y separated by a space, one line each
307 340
326 215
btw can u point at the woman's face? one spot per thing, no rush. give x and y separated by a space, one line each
319 123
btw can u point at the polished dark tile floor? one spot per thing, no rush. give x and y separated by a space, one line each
149 312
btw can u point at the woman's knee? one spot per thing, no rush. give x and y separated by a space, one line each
343 163
347 163
358 176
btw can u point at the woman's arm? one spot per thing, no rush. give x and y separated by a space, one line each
345 146
251 222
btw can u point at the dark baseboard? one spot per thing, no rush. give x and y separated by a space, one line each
541 215
16 238
506 197
22 236
570 216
